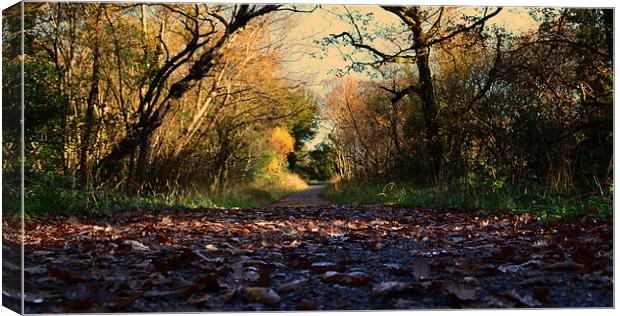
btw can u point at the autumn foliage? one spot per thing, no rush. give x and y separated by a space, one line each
167 149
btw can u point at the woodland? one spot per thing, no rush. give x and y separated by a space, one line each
173 159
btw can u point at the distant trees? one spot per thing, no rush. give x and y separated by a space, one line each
148 96
153 96
367 128
424 30
469 101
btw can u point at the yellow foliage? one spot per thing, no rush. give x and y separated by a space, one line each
273 165
281 142
294 181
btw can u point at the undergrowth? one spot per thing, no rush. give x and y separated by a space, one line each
525 197
53 194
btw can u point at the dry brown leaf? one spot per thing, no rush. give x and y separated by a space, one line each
306 304
291 286
123 303
565 265
200 299
353 278
261 295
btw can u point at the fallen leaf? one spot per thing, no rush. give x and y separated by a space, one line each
471 281
199 300
220 300
181 291
166 220
396 269
35 270
123 303
391 287
462 292
537 280
264 275
564 265
261 295
353 278
33 299
291 286
306 304
137 246
526 300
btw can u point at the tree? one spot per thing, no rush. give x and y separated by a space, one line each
157 102
304 126
426 30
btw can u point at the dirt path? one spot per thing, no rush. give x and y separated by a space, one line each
310 197
303 253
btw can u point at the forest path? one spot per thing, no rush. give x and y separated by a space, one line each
309 197
292 256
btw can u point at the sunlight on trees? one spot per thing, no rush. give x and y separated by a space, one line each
471 99
146 98
157 98
281 142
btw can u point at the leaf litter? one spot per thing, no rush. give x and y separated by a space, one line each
312 257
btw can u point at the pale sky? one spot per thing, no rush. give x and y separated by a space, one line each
323 22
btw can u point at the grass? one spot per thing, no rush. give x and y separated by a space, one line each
260 193
52 194
537 200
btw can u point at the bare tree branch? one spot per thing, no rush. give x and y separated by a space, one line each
480 22
399 94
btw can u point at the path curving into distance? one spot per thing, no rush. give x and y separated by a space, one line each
309 197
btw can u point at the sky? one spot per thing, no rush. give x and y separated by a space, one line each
311 63
324 21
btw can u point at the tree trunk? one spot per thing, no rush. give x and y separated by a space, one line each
426 93
429 111
143 161
90 110
155 111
